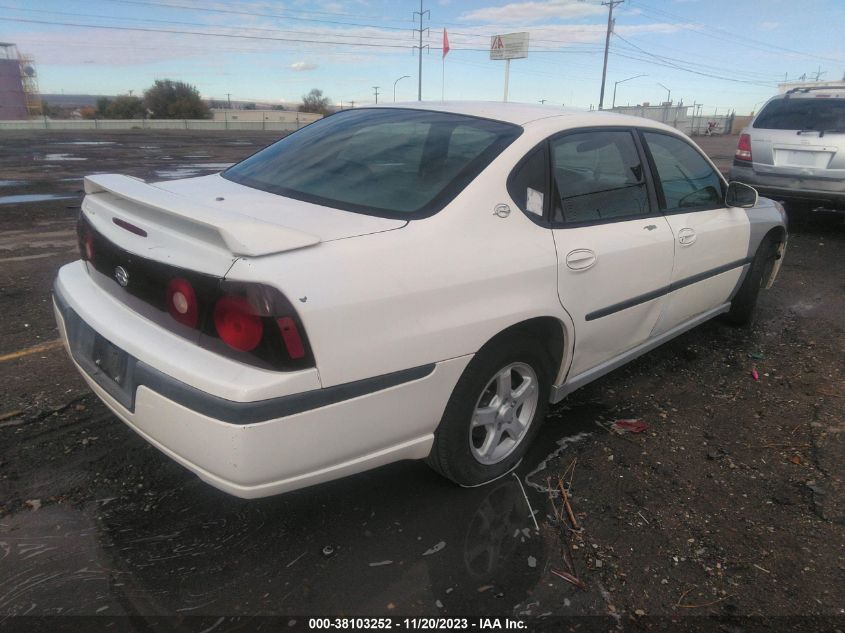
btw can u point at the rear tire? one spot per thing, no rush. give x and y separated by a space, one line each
745 301
494 412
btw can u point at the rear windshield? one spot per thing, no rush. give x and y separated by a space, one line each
803 113
387 162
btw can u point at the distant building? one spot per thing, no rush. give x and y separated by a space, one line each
18 89
281 116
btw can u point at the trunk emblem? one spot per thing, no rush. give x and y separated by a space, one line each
121 276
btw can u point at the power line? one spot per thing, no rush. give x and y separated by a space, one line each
660 61
247 37
286 16
724 35
709 67
181 23
206 34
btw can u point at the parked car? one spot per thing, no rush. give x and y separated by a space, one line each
401 282
794 149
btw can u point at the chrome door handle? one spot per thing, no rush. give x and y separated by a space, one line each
581 259
686 237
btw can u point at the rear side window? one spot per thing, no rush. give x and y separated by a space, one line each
527 184
387 162
599 177
688 181
803 113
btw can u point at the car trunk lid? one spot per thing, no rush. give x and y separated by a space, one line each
204 224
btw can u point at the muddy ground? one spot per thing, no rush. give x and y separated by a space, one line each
727 513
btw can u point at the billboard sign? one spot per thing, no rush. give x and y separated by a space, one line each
509 46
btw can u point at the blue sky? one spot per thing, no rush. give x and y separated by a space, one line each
722 53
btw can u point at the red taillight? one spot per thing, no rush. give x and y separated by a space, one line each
236 325
743 148
182 302
291 337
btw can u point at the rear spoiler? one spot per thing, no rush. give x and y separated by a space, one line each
238 233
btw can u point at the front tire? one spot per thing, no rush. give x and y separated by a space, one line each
494 412
745 301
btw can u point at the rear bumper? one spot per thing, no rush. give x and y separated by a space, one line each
263 447
819 190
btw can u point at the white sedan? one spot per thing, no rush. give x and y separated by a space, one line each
401 282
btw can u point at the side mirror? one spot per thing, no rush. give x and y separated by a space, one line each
741 195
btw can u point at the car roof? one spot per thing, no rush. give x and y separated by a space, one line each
527 113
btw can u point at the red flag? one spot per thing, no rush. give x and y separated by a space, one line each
445 43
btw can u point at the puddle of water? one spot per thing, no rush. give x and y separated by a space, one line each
214 166
53 552
11 183
61 157
87 143
34 197
179 172
190 170
198 551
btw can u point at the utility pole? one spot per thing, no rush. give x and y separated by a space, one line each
376 91
609 4
543 101
229 99
420 30
352 104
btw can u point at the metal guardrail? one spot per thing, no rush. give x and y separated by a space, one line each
149 124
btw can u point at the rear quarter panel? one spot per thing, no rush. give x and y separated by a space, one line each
437 289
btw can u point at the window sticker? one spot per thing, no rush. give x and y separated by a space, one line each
534 201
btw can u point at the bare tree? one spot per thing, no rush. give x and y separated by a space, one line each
314 101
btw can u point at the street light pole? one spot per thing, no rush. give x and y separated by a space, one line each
621 81
375 88
396 82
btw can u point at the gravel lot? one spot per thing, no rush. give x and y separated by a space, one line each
731 505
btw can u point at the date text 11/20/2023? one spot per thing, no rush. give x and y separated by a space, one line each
431 624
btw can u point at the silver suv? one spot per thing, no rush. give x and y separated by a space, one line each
794 149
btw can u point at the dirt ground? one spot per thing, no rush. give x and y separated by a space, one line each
727 513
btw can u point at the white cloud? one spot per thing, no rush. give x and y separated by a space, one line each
769 26
301 66
528 12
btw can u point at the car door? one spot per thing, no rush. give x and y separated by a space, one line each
711 240
614 248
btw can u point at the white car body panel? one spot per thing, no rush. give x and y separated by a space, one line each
258 460
631 260
720 236
380 296
439 298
